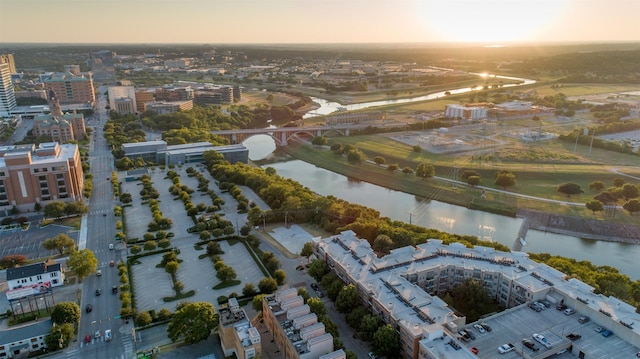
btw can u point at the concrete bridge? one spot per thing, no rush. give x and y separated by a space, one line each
282 135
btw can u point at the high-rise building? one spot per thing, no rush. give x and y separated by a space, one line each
7 94
48 172
8 59
71 89
142 98
122 99
101 63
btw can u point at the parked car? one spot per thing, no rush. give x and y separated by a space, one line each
583 319
573 336
474 350
607 333
529 344
88 308
599 329
535 307
542 340
540 305
569 311
546 303
561 306
470 334
479 328
486 326
505 348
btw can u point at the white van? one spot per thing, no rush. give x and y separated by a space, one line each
107 335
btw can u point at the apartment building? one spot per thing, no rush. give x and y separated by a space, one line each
237 335
296 331
30 175
70 88
7 91
401 288
24 341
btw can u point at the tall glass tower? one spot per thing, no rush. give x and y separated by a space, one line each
7 93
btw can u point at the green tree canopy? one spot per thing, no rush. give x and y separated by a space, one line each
505 179
569 188
630 191
280 276
347 299
307 250
594 206
61 243
379 160
386 342
193 322
382 244
83 263
470 298
317 306
317 269
632 206
425 170
65 312
59 336
267 285
54 209
143 319
596 186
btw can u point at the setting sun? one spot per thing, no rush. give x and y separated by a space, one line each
490 21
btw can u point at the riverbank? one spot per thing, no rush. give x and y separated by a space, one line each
542 221
581 227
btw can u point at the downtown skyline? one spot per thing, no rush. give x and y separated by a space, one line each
315 21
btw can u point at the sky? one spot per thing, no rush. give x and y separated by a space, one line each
318 21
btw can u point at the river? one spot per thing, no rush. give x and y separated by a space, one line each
446 217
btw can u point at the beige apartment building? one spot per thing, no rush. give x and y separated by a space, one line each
237 335
30 175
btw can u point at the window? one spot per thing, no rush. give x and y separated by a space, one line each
53 274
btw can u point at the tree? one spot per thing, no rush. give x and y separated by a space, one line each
569 188
248 290
630 191
270 261
505 179
317 269
59 336
280 276
354 317
606 197
393 167
632 205
12 260
596 186
150 245
61 242
256 303
369 324
143 319
54 209
172 267
471 298
407 170
594 206
474 180
355 156
379 160
319 141
226 273
382 244
83 263
618 182
307 250
164 314
267 285
193 322
213 248
386 342
65 312
425 170
317 306
347 299
205 235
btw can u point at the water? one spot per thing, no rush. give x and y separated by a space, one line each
327 107
454 219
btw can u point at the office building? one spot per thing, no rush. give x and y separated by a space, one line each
71 89
163 107
30 175
7 92
122 99
142 98
159 153
465 112
8 59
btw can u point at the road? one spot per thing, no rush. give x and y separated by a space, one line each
101 230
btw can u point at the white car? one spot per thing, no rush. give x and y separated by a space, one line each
479 328
99 272
505 348
542 340
107 335
110 245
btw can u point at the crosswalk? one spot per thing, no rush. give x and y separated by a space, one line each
125 339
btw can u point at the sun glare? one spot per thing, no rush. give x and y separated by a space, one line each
488 21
